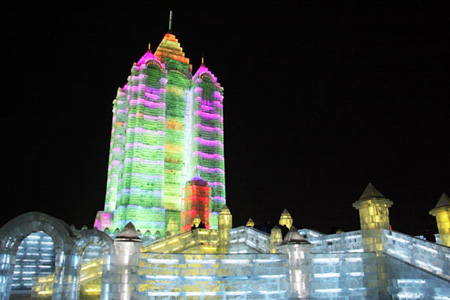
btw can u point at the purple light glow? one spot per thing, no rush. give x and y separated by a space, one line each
218 104
208 128
149 56
207 108
208 156
216 184
204 142
210 170
209 116
147 103
203 69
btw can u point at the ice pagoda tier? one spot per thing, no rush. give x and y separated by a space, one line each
167 127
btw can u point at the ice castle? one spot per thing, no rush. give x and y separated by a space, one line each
166 232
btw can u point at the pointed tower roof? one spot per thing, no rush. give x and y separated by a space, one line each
285 213
294 237
148 56
371 192
443 201
170 48
225 210
128 234
371 196
250 223
203 69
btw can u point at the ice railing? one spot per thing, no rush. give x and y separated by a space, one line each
430 257
90 271
206 238
251 237
334 243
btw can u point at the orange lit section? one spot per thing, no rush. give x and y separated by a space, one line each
170 48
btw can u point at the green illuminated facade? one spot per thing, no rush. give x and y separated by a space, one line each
167 128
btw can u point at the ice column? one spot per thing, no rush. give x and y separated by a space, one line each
442 214
225 224
298 251
125 262
275 238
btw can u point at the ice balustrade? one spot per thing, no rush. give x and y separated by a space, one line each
427 256
226 276
310 234
204 240
248 240
90 276
405 281
333 243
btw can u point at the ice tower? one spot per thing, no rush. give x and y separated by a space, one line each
195 203
442 214
373 215
167 127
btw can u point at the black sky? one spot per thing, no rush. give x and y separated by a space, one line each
321 98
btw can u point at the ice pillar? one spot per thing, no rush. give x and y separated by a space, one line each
125 262
442 214
225 224
275 238
7 262
298 251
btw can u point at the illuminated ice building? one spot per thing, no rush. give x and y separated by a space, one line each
166 233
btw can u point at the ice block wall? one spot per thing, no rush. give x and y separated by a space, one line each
243 276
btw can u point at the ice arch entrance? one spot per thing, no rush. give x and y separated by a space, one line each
13 233
35 257
91 264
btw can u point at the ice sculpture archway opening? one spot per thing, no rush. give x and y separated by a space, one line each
89 274
15 231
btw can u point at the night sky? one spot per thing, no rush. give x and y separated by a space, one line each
321 98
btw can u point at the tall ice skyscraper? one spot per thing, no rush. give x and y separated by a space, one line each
167 128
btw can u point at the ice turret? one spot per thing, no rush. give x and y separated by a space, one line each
250 223
298 250
373 214
125 260
442 213
286 219
275 238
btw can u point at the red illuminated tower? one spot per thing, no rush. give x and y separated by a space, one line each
195 202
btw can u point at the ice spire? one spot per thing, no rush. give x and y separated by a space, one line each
371 192
170 22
